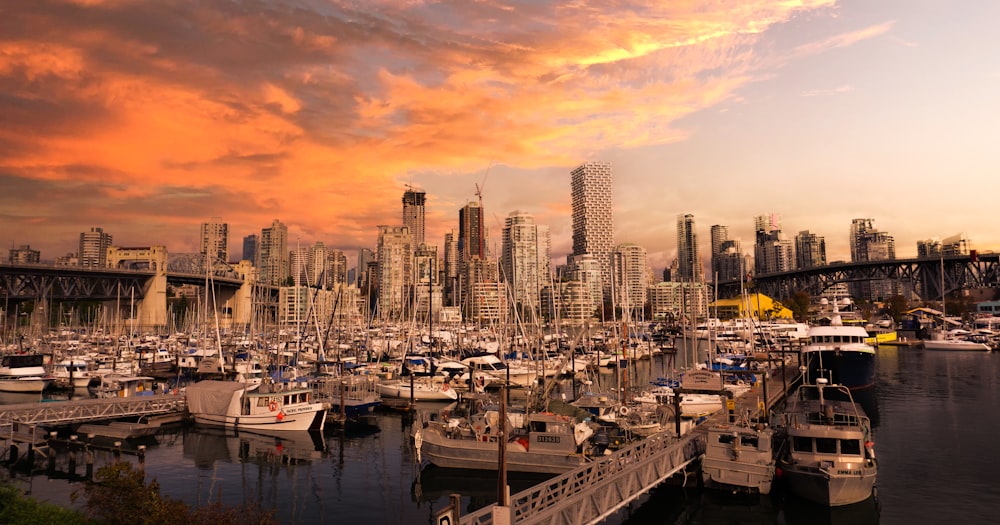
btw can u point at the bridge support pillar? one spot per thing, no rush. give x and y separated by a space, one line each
240 302
152 308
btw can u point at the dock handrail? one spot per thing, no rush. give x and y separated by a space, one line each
626 473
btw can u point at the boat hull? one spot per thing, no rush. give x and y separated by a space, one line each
293 418
953 346
31 385
440 450
855 370
402 390
830 489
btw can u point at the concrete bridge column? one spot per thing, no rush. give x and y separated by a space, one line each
240 302
152 308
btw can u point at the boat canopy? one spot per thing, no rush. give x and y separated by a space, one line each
215 397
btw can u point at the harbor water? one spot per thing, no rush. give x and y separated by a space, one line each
935 431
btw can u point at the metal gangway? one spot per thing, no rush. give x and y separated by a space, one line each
595 491
59 413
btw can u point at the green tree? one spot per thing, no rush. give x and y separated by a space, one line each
17 509
120 496
896 307
798 303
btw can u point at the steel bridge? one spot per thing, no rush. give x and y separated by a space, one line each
928 278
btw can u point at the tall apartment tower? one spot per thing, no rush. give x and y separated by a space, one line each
214 246
719 234
472 252
94 248
519 261
773 252
869 244
251 244
365 256
413 214
395 270
810 250
274 267
631 276
336 268
593 216
688 260
451 268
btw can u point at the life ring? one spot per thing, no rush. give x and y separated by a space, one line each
273 406
623 410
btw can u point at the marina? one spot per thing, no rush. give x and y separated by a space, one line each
312 450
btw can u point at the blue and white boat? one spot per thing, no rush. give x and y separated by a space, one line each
840 354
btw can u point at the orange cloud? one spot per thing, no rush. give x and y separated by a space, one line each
314 114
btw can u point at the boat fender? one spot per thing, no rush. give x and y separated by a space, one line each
273 406
444 387
281 416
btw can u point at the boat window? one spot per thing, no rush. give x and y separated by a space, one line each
826 445
850 446
802 444
725 439
748 441
262 401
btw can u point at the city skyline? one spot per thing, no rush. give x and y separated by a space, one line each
148 120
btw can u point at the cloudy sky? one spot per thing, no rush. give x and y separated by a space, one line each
149 118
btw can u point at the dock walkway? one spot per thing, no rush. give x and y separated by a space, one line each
596 491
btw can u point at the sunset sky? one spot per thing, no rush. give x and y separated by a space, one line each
147 118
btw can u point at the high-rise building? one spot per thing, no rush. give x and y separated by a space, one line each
94 248
519 262
250 244
720 235
593 216
365 256
274 267
395 270
472 253
631 276
452 268
214 241
336 269
773 252
688 259
869 244
810 250
587 270
24 255
413 214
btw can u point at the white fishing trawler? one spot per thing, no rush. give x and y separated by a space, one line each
827 455
269 408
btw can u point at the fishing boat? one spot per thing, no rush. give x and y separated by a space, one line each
539 442
840 354
73 373
826 454
739 457
23 373
269 407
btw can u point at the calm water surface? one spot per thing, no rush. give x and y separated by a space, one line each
936 420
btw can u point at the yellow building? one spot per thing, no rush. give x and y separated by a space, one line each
757 306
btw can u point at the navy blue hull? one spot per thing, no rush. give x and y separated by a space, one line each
855 370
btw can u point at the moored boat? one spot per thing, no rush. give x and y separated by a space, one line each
23 373
544 443
827 454
840 354
739 457
269 408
